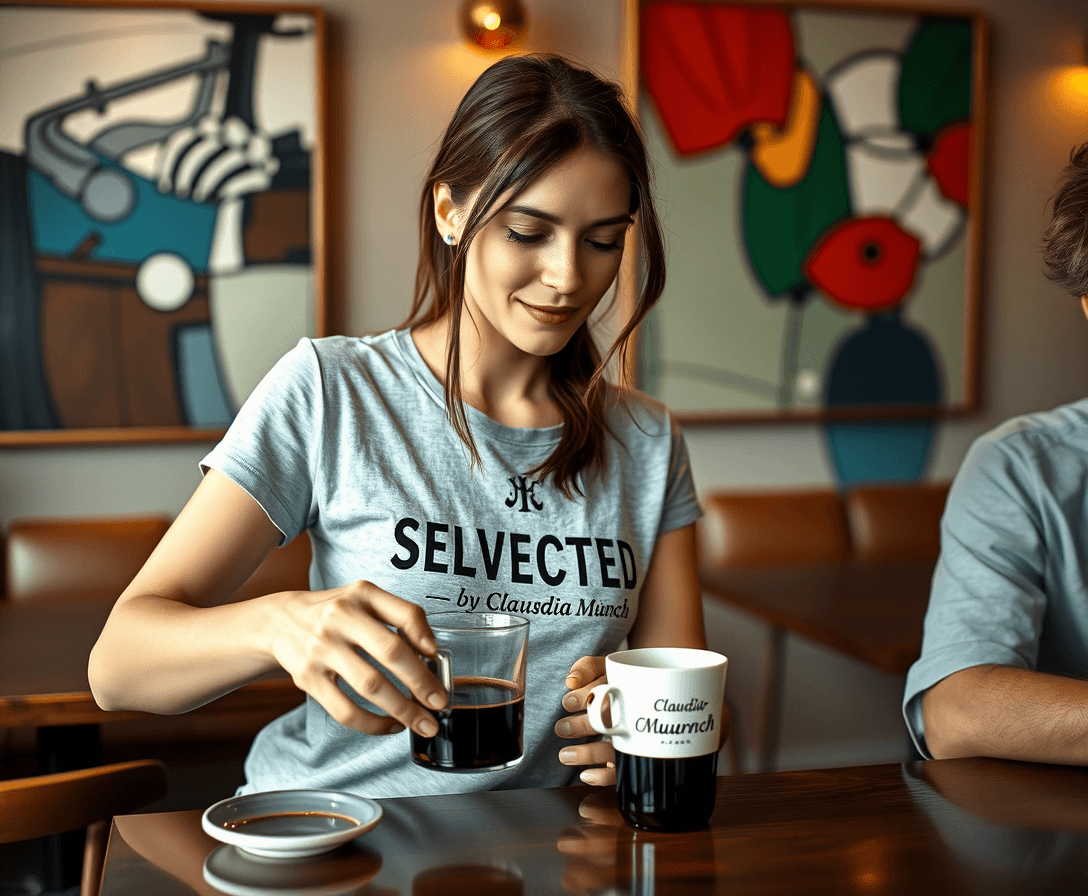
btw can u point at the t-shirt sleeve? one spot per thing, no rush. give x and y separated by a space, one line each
987 601
271 448
681 506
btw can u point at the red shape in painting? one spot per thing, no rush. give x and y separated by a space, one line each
715 69
867 264
950 161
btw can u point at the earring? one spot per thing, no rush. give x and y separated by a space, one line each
449 239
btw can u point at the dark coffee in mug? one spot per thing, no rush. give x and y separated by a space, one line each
666 794
665 705
481 729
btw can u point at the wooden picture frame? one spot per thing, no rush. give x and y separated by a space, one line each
819 170
162 213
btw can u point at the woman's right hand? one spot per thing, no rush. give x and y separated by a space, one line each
324 637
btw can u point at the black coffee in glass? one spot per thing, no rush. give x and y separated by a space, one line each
481 729
666 794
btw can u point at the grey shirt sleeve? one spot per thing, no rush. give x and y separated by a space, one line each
681 501
987 602
272 448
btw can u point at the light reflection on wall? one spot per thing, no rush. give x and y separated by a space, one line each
1069 88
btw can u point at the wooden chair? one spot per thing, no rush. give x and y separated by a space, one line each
45 805
49 559
849 570
897 521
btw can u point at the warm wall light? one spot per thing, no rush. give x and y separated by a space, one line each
493 24
1069 87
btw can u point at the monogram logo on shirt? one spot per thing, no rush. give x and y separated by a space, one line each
523 490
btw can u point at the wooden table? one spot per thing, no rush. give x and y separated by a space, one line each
962 826
871 611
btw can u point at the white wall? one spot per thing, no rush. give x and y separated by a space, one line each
405 72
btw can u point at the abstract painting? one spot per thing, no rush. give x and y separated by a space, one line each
160 203
819 175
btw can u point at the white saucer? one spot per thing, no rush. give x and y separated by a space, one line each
290 823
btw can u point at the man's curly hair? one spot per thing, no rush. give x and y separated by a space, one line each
1065 240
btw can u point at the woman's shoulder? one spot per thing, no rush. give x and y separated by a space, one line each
631 410
350 355
339 347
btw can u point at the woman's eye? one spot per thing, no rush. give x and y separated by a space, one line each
517 237
605 247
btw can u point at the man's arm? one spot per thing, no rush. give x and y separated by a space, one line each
1009 713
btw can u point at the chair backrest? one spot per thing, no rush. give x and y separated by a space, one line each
43 805
897 521
773 527
66 558
286 568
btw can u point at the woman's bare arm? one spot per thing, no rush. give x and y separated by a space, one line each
174 641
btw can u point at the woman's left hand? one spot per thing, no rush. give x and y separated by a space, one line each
598 754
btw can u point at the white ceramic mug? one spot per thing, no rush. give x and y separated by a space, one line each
665 705
666 702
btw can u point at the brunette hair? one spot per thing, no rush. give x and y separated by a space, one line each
1065 240
520 117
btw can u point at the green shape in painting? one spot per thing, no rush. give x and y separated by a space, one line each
781 225
935 81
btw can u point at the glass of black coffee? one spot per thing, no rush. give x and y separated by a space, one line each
665 705
481 661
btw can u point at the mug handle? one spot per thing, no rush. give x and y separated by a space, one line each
593 708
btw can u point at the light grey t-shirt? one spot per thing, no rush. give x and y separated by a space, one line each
1010 587
349 439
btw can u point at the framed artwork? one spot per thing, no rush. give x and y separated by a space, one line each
819 170
161 213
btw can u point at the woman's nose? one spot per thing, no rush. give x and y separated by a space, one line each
562 271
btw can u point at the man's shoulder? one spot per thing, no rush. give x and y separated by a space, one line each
1039 456
1064 425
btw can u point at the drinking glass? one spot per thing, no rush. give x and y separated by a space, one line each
480 661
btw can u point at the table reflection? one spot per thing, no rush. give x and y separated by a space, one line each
1004 829
341 872
603 854
500 879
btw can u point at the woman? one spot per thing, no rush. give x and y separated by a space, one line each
475 458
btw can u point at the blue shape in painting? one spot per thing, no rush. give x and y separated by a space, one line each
883 363
203 397
879 451
158 222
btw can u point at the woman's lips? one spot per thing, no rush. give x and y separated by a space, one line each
548 314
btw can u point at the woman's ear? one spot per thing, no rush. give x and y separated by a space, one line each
447 218
1084 304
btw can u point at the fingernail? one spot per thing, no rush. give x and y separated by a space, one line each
574 680
396 728
586 777
570 701
563 729
427 727
436 701
568 755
